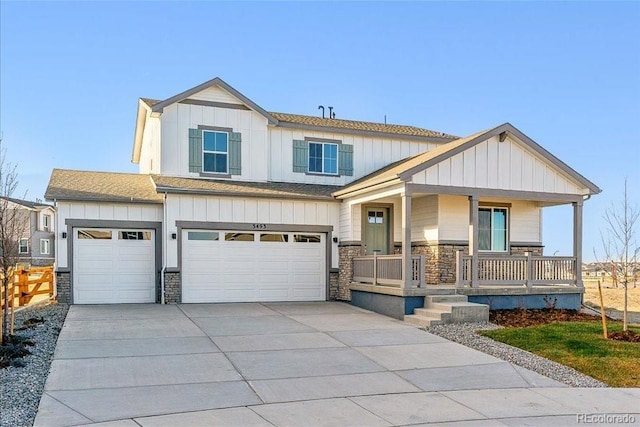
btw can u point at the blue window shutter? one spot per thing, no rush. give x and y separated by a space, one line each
235 153
345 159
300 155
195 150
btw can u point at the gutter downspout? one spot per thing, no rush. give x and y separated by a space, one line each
164 248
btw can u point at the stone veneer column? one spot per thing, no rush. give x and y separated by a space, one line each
172 291
346 252
63 287
333 284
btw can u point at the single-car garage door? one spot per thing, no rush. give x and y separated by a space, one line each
113 266
227 265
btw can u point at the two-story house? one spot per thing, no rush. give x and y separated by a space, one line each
34 243
235 203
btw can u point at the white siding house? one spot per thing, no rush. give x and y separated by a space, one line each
234 203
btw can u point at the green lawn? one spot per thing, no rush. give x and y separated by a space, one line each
581 346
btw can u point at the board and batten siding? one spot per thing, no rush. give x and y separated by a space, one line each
178 118
215 94
150 149
504 165
453 216
100 211
369 154
248 210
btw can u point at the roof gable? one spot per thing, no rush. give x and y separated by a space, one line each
452 155
200 92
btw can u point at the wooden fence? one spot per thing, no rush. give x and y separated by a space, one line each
29 286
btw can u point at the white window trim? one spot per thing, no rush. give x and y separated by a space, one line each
48 252
337 172
20 251
508 222
46 225
226 172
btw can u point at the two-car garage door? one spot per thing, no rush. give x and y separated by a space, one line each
119 266
228 265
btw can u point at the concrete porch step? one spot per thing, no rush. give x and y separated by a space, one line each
429 299
439 309
443 315
422 321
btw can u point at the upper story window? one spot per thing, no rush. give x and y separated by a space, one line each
493 229
215 152
323 158
46 222
319 156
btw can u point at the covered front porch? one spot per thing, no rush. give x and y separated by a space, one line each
459 220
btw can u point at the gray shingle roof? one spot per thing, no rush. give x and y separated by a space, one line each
78 185
357 125
241 188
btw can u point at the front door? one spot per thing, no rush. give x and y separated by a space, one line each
376 231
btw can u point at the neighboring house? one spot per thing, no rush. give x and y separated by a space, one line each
35 243
234 203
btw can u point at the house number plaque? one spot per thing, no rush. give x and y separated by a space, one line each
259 226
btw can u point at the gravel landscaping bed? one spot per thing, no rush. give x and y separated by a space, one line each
21 388
465 334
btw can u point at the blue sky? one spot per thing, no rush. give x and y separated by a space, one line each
565 73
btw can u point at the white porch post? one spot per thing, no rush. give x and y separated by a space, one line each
577 241
473 239
407 265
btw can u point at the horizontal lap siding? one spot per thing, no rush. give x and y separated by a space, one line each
247 210
424 218
100 211
525 225
177 119
504 165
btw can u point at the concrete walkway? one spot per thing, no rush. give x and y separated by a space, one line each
290 364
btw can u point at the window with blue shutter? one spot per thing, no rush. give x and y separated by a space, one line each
195 150
323 157
215 150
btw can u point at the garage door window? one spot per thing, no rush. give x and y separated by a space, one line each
274 237
307 238
94 234
203 235
239 237
134 235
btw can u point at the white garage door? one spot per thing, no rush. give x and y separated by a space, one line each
226 266
113 266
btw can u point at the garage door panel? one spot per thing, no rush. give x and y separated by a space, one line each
272 267
116 270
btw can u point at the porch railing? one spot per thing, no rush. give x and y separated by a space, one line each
523 270
386 270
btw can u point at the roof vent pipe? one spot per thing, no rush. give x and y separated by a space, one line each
331 116
321 107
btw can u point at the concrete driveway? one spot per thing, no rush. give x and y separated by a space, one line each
290 364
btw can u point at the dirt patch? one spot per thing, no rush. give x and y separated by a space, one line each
614 300
518 318
629 336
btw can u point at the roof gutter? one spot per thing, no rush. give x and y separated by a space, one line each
350 192
161 189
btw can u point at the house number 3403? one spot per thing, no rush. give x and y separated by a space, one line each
259 226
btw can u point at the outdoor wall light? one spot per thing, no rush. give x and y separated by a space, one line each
335 240
174 236
64 234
